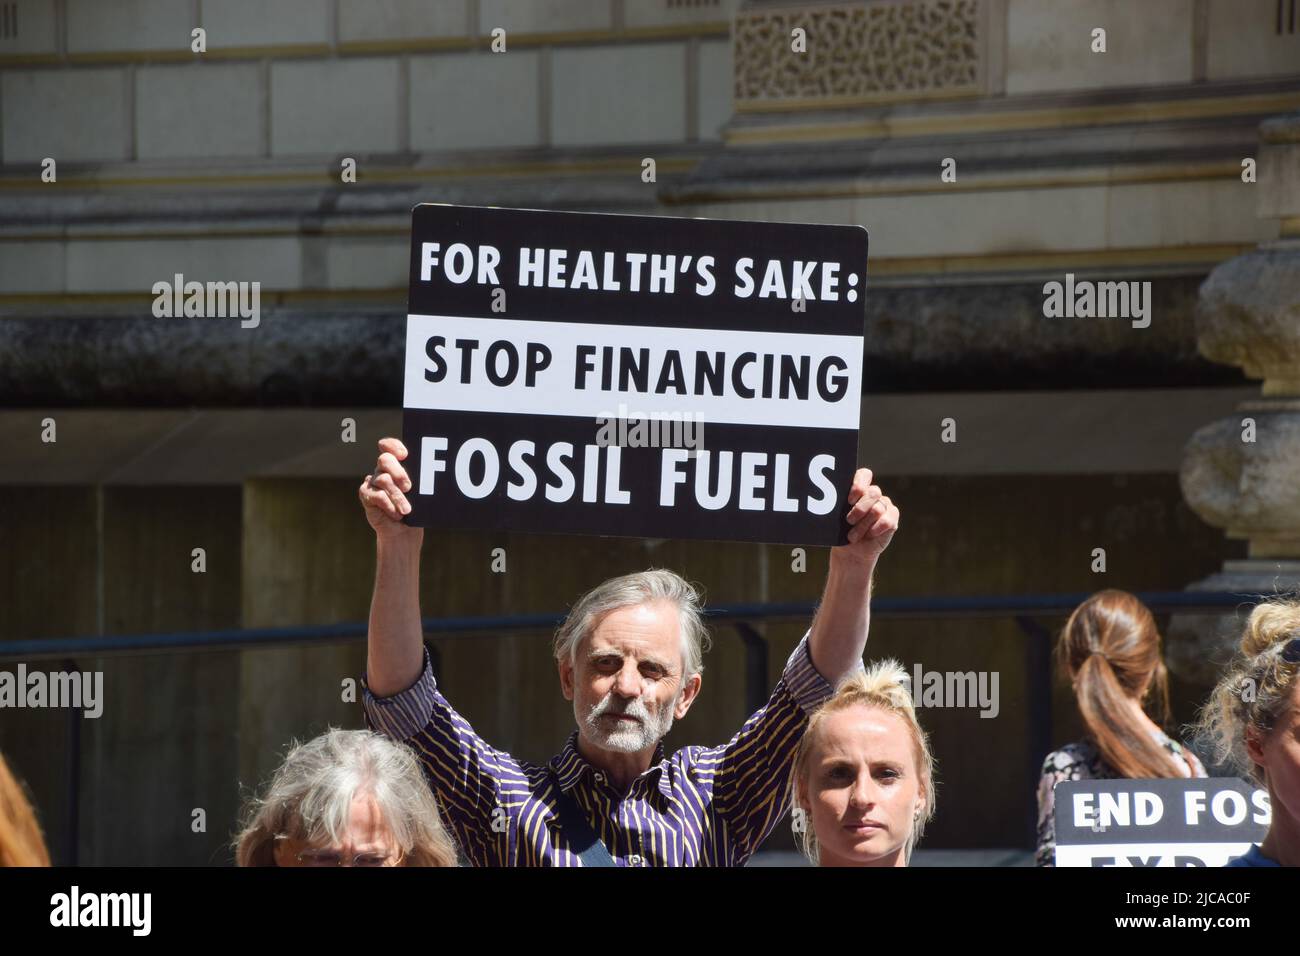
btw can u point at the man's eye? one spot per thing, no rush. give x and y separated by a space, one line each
371 860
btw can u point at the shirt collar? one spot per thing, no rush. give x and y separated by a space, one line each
569 766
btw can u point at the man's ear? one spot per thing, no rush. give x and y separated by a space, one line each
689 690
565 668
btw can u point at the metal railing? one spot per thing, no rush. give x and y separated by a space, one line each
1024 609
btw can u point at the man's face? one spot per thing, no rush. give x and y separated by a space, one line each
627 683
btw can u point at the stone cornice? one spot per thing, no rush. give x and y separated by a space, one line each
1013 114
991 335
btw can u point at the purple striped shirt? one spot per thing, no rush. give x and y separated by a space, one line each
703 806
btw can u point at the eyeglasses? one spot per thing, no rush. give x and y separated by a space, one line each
335 858
1291 652
321 856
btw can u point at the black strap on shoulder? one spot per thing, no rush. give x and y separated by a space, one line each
577 831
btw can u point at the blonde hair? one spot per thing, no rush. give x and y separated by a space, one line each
310 797
20 834
1260 669
884 686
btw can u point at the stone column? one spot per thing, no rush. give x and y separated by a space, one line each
1242 473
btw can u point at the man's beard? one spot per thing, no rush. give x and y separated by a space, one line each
627 736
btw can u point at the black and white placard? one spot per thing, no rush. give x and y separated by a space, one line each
1189 822
632 375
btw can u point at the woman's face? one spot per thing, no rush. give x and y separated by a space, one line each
862 788
365 842
1279 754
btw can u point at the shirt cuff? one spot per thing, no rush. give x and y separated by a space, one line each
405 714
808 687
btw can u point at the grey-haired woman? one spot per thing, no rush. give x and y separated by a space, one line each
346 798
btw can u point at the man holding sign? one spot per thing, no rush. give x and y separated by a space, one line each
525 330
628 657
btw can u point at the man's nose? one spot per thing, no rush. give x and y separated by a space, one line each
628 682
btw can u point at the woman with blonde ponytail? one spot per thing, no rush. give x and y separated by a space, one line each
862 785
1252 722
1110 651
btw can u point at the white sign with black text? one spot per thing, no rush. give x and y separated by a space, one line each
1188 822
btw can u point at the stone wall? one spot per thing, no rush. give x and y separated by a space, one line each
98 82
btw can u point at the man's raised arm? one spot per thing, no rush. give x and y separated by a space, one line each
395 656
839 629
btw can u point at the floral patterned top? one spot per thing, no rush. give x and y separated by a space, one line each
1082 761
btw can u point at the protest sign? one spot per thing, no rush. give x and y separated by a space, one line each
633 375
1188 822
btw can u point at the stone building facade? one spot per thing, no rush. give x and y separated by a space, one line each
988 147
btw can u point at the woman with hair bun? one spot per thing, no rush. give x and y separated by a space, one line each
862 785
1252 722
1110 651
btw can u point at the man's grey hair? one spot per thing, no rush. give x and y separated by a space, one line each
310 798
633 590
